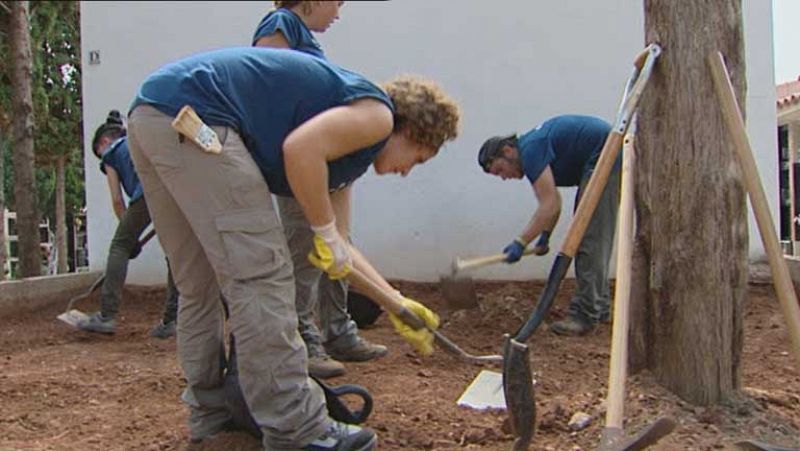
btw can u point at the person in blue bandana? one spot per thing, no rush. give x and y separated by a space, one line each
289 26
289 124
110 145
563 151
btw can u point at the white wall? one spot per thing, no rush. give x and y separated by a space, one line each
510 66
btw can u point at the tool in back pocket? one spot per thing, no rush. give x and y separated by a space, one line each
189 124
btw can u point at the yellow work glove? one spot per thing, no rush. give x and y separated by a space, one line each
422 339
330 252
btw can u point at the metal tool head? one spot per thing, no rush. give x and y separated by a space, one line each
518 391
458 291
73 317
613 439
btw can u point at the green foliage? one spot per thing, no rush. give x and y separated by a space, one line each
55 42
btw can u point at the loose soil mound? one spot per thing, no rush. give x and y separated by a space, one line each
67 390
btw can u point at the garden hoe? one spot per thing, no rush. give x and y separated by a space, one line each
758 201
459 290
73 316
391 304
613 438
517 377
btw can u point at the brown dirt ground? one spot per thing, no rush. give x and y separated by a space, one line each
66 390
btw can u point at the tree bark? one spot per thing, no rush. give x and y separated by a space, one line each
61 215
22 107
692 214
3 244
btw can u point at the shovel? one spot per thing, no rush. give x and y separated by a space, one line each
459 290
73 316
517 378
393 305
612 438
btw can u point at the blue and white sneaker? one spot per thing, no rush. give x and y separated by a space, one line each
98 323
344 437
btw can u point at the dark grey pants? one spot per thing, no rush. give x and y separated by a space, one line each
592 297
126 237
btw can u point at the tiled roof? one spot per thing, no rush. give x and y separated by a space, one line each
788 94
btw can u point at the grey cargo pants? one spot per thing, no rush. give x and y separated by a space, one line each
592 297
315 292
216 222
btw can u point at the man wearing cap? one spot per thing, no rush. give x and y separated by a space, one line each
563 151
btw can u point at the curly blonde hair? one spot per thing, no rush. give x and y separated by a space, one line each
423 111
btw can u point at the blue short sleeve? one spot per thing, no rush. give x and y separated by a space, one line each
294 30
536 152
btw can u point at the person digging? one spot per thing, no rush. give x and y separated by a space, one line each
336 340
563 151
213 136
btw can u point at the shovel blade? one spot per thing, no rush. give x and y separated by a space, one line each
73 317
459 292
518 391
614 440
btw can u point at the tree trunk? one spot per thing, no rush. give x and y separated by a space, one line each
61 215
3 256
692 214
30 256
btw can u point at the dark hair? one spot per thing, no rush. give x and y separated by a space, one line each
111 128
491 149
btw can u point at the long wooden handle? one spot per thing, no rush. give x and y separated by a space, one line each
591 194
461 264
370 289
617 372
758 200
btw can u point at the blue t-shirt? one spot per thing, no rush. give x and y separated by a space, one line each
264 94
119 158
294 30
570 144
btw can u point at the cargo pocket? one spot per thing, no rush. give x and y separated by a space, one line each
254 243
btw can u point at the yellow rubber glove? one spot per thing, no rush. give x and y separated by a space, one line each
330 252
422 339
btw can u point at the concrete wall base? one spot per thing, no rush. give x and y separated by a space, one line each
39 292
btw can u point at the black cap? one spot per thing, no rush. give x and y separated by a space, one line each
491 149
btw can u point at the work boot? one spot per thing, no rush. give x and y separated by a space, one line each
324 367
572 326
344 437
98 323
163 331
361 351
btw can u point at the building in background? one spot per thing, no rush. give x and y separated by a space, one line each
510 65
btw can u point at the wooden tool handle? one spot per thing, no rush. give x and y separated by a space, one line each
744 154
591 194
189 124
469 263
389 301
619 339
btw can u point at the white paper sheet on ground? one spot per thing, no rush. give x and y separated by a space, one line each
485 392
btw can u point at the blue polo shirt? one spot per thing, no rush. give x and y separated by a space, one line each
119 158
293 29
569 144
264 94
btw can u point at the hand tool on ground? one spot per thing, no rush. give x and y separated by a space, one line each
517 377
337 399
612 438
392 305
73 316
459 290
758 200
755 445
